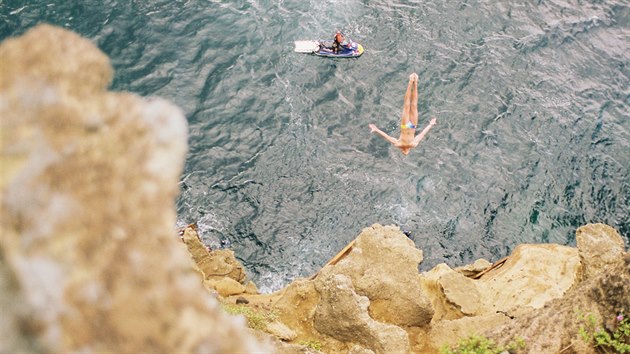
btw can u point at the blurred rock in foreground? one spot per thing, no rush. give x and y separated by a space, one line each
89 260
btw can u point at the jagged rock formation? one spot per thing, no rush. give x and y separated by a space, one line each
536 293
361 304
220 270
600 247
383 266
89 260
343 314
604 292
534 274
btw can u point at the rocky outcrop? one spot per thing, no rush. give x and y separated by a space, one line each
361 303
600 247
213 264
88 257
296 307
604 294
372 291
343 315
515 297
220 270
474 269
383 266
530 277
449 332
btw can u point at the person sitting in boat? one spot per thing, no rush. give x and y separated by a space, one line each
339 39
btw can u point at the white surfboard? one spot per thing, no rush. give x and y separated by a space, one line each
306 46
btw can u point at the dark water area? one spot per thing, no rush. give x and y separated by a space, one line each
532 100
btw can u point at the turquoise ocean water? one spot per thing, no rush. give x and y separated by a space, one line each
532 100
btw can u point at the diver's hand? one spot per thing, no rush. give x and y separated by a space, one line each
433 121
373 128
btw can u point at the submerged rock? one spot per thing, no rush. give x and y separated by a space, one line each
88 182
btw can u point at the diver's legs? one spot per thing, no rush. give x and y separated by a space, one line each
407 106
413 112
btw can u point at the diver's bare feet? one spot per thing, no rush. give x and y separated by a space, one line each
413 77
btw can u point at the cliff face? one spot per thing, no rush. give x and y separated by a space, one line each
603 291
370 298
89 260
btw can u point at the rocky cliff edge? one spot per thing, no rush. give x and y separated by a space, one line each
370 298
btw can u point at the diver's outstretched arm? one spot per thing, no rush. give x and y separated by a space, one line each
424 132
373 129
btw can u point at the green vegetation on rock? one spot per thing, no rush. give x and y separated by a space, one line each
256 319
481 345
592 332
313 344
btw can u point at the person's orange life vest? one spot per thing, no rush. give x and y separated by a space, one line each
339 38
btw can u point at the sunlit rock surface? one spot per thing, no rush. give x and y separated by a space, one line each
530 277
383 266
536 293
600 247
604 295
89 260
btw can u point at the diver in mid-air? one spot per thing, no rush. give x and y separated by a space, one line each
409 120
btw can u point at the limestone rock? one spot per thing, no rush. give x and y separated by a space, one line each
473 269
251 288
13 336
556 326
343 315
449 332
296 306
452 294
282 347
357 349
33 60
226 286
281 331
531 276
600 246
224 264
383 266
88 182
215 264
